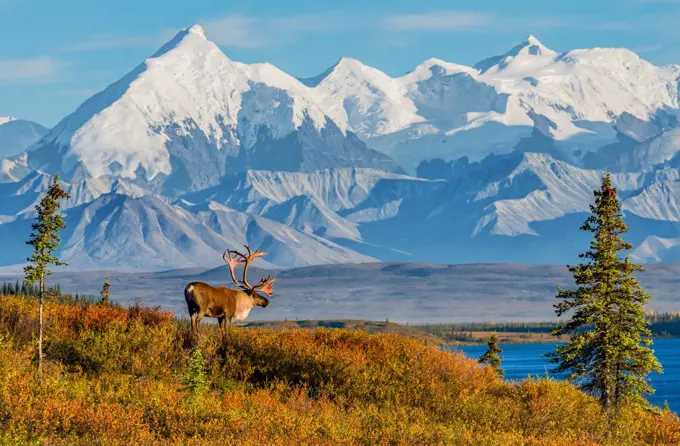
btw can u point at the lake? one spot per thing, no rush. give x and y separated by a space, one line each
523 360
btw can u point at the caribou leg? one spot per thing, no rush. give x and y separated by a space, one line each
199 316
194 323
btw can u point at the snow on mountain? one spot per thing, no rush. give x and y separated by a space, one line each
657 249
330 203
120 231
339 190
18 199
515 194
192 152
539 189
528 55
373 102
16 135
530 215
309 215
655 150
521 207
444 110
435 67
14 168
189 114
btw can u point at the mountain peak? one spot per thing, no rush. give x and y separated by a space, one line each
344 64
530 46
196 29
532 40
435 67
348 62
193 39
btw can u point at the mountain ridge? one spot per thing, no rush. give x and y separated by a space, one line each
191 152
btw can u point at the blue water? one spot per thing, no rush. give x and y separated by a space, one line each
523 360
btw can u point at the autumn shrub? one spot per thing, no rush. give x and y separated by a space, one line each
350 366
120 376
96 339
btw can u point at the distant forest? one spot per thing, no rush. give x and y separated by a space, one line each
54 293
662 325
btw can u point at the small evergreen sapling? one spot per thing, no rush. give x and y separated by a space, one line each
492 357
195 379
105 293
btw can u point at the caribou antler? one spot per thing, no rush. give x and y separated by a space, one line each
232 262
249 258
265 285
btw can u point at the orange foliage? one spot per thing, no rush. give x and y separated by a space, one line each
114 377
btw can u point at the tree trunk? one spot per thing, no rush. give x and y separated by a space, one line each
40 324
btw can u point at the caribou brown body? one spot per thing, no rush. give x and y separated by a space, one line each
226 303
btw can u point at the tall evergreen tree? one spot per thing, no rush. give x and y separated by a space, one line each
492 357
45 241
606 355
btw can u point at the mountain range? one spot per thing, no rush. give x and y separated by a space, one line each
192 152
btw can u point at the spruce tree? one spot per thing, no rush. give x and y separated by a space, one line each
492 357
105 292
606 354
195 379
45 241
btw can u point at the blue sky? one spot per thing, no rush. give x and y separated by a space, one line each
55 54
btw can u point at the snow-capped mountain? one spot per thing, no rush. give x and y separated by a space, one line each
581 100
188 115
16 135
192 152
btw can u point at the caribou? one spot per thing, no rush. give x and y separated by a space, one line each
226 303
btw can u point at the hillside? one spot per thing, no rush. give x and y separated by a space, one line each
122 376
373 327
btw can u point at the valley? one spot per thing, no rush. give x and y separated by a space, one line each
400 292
